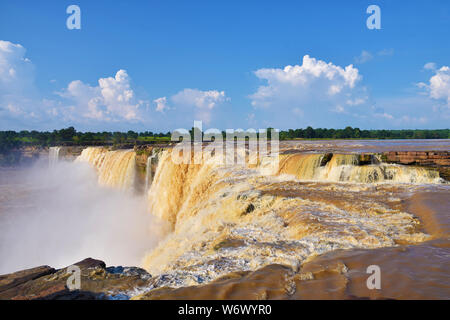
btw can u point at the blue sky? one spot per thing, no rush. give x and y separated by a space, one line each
160 65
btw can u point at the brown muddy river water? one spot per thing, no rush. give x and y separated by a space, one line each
306 227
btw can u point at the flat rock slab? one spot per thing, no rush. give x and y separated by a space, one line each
15 279
97 282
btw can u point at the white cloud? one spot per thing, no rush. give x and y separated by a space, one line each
199 104
439 85
16 71
112 100
310 90
19 101
110 103
315 93
340 99
364 57
199 99
21 104
301 81
161 104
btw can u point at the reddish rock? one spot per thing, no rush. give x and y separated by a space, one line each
436 159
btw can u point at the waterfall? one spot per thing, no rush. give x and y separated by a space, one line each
303 166
115 169
177 187
347 168
148 171
376 159
53 155
226 218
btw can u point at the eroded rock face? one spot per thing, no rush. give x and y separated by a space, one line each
419 157
97 282
436 159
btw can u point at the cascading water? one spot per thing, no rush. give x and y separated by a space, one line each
223 218
305 166
148 171
226 218
115 169
234 218
346 168
53 155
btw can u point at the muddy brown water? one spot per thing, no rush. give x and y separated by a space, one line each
407 271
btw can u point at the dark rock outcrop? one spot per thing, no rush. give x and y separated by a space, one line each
97 282
17 278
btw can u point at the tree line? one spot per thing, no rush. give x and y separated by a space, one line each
356 133
69 136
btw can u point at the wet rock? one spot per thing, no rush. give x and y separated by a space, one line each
325 159
269 282
250 208
115 270
228 243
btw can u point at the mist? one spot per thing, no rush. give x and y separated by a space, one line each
60 215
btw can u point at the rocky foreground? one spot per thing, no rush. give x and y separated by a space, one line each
97 282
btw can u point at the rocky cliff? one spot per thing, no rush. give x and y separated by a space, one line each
436 159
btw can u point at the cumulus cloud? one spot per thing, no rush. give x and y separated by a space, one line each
438 87
430 108
16 71
112 100
316 93
440 84
295 80
20 103
310 90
